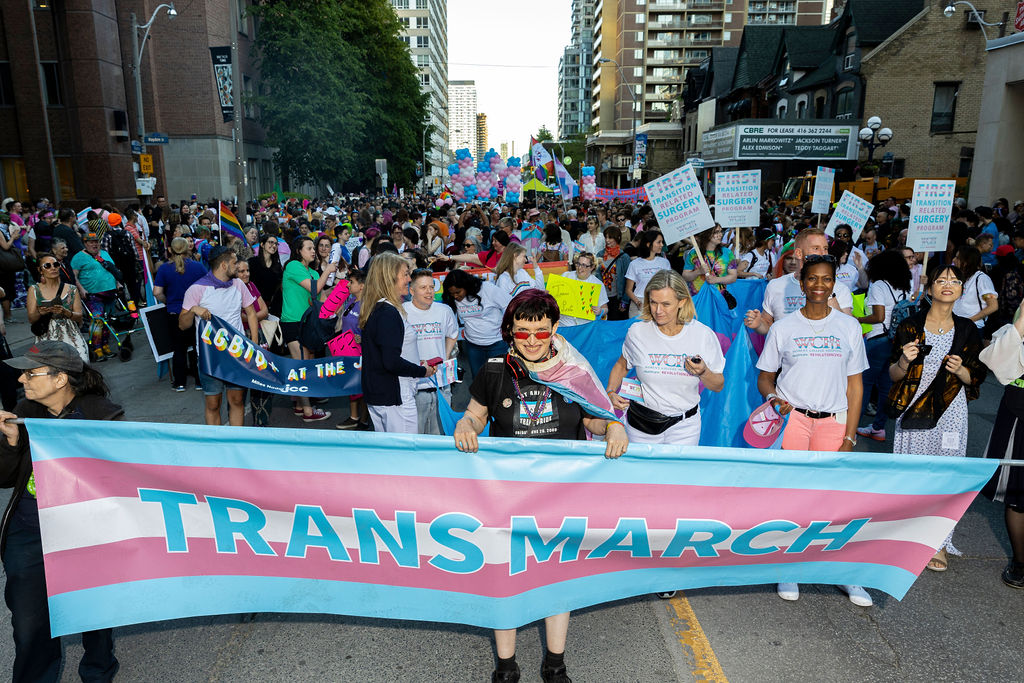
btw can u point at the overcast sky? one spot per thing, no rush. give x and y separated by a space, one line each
500 45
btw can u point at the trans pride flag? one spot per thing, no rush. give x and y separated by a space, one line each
147 522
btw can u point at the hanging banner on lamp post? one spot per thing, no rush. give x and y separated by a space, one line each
222 75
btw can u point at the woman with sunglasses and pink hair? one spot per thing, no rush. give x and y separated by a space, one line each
508 395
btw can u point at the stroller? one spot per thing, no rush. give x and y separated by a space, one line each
120 319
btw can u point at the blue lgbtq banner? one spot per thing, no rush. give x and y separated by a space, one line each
147 522
230 356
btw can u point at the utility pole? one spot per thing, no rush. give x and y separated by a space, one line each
241 177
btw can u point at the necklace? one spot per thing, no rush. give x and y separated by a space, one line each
538 409
816 330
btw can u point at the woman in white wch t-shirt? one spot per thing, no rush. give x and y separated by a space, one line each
641 269
673 354
510 273
980 298
480 307
811 370
586 263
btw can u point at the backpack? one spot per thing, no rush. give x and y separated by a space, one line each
122 249
903 309
314 331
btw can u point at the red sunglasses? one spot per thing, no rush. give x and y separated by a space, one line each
523 336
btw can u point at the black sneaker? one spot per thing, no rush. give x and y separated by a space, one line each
365 427
1013 575
348 424
318 401
506 676
551 674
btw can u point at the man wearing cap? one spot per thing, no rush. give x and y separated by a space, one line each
57 386
97 284
221 294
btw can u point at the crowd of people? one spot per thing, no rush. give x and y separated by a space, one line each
853 329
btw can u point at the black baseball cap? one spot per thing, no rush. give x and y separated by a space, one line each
54 354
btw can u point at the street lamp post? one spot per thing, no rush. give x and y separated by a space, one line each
951 9
632 151
137 48
872 137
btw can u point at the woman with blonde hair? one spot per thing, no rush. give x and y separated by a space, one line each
390 357
673 354
510 273
169 286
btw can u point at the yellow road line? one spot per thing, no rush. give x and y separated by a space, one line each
694 641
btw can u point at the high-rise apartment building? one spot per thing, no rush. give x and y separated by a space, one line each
425 31
481 136
462 114
574 72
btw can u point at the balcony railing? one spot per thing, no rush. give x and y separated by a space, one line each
674 41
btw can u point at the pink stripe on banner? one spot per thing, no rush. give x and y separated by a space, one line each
602 503
73 570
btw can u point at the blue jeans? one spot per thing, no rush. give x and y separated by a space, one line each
877 375
477 355
37 655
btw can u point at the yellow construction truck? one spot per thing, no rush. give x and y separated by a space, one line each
798 189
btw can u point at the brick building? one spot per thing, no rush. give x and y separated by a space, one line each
67 101
925 82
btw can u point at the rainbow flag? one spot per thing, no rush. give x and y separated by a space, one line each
228 222
541 160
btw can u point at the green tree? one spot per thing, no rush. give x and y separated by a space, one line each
543 135
338 90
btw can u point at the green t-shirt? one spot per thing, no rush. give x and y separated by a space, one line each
295 298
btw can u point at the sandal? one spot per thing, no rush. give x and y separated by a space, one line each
940 562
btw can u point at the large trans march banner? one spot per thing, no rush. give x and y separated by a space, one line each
145 522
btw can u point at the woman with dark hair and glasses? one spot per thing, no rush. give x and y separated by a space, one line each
935 368
58 386
480 306
890 284
506 395
821 355
980 298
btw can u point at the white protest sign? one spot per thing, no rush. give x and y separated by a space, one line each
679 204
853 211
738 199
930 211
823 182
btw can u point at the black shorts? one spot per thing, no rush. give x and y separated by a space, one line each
290 332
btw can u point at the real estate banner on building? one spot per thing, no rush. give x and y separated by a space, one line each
851 210
931 209
824 180
679 204
738 199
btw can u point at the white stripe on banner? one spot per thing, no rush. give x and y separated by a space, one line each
73 526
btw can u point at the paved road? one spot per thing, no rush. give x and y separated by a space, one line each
963 625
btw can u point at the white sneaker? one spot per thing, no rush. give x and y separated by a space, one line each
858 596
788 591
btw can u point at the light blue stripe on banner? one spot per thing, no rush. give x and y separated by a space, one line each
537 460
174 598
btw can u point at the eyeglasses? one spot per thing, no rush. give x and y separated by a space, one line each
819 258
581 264
951 283
540 336
29 373
49 265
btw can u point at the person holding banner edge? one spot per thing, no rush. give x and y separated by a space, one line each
58 385
810 369
529 327
437 333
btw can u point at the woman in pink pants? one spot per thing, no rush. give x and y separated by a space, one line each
811 370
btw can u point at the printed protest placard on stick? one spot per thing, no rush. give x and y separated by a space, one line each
930 211
738 199
679 204
853 211
575 298
824 180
